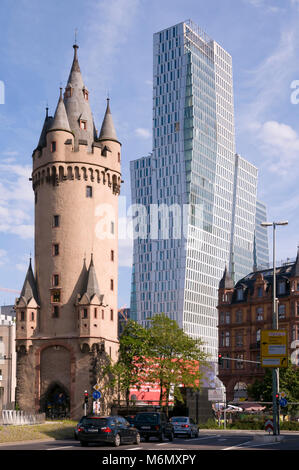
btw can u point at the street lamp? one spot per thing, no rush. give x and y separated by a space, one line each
275 371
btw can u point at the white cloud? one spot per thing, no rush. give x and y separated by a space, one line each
143 133
281 142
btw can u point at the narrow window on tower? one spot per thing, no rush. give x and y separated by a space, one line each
56 221
55 280
53 146
88 191
55 311
112 227
112 255
85 313
118 155
55 249
56 297
96 313
103 314
22 316
111 315
111 284
83 125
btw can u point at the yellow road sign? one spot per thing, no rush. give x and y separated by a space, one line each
274 348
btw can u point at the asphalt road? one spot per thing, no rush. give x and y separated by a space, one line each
207 440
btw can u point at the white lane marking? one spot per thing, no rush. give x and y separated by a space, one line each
62 447
200 438
237 445
252 445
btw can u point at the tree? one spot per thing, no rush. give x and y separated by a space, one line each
174 359
261 390
126 371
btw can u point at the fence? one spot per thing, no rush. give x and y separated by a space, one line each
21 417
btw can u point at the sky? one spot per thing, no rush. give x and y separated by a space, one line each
115 54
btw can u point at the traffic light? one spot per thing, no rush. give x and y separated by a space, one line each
277 397
85 397
220 361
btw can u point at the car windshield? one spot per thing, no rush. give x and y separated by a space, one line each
179 420
98 422
147 418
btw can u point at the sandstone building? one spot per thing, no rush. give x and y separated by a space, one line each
66 325
245 308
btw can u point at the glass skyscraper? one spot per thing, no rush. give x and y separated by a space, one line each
193 176
261 247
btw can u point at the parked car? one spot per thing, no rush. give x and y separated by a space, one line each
154 425
130 419
76 428
113 430
184 425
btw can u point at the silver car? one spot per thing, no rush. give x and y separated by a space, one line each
185 426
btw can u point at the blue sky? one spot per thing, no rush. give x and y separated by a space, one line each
115 55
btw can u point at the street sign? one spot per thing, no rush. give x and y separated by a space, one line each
269 425
274 348
96 387
283 402
216 394
96 395
282 395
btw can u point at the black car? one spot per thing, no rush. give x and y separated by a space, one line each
154 425
113 430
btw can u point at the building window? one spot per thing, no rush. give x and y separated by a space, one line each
240 294
281 287
239 316
55 311
55 249
85 94
56 296
68 92
239 338
222 316
227 318
83 125
53 146
32 316
112 255
240 364
281 311
88 191
111 314
85 313
56 221
22 316
111 284
103 314
55 280
96 313
260 292
112 227
259 314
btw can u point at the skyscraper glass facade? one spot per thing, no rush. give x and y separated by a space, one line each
193 176
261 248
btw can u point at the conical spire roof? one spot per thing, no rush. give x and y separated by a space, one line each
60 121
91 285
47 123
108 130
226 281
29 289
76 101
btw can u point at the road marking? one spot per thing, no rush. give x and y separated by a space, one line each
237 445
162 444
253 445
200 438
62 447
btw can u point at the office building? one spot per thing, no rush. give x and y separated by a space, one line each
199 195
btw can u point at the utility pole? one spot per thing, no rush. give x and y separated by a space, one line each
275 371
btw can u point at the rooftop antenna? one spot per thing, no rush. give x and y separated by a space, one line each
76 31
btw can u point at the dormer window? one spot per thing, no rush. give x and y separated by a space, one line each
281 287
68 92
240 294
83 124
85 94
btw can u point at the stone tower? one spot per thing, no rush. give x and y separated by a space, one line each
67 310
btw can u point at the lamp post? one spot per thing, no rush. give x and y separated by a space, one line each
275 371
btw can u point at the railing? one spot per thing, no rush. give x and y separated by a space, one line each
21 417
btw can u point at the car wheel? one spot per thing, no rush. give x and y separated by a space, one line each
137 439
116 441
83 444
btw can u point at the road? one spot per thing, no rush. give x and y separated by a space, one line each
207 440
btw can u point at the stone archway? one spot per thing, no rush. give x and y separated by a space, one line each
55 381
56 401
